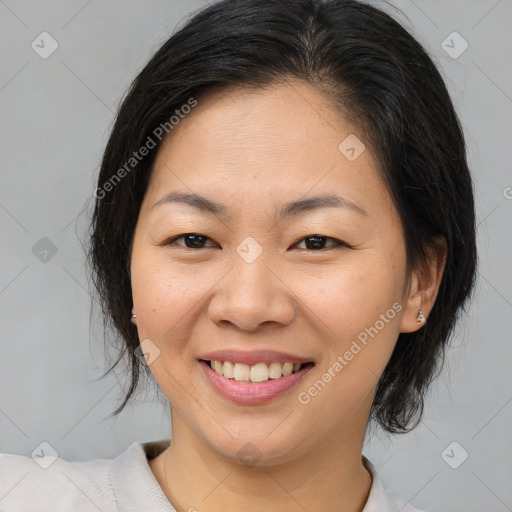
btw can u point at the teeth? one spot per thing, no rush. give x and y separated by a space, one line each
274 371
241 372
218 367
287 368
256 373
228 369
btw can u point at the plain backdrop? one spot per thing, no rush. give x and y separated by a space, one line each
56 114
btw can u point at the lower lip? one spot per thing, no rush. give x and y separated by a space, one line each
252 393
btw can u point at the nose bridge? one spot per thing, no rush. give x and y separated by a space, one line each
251 266
251 293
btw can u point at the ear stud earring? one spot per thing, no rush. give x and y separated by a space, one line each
133 313
420 317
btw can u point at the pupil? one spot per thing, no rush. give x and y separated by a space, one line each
196 240
317 242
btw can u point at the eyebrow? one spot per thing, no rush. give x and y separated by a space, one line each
293 208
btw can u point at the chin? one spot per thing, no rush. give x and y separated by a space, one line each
257 449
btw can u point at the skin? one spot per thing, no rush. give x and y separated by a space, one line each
254 151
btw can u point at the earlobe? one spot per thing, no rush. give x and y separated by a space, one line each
424 288
411 317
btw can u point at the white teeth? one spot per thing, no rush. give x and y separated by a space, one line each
256 373
242 371
228 370
259 372
218 367
287 368
274 371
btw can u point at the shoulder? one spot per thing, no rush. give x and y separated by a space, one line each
383 500
49 483
53 484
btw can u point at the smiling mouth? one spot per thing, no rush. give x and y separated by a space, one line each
260 372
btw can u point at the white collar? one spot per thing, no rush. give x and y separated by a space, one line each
130 472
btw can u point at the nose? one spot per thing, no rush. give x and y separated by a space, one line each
252 294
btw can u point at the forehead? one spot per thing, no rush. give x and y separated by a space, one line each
283 140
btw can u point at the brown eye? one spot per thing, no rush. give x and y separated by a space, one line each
317 242
312 242
192 240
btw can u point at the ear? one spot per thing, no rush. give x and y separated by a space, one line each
133 317
423 287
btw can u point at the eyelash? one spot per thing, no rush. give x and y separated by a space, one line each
338 243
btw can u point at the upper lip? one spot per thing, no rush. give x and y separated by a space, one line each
253 357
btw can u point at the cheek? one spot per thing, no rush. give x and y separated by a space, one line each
360 305
167 298
350 297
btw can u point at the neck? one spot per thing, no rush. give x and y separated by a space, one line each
194 477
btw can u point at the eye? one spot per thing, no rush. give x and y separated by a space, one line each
317 242
313 242
192 240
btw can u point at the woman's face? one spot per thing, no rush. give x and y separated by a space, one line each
253 281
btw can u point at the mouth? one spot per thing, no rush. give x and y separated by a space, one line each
253 384
260 372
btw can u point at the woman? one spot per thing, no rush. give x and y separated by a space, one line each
283 236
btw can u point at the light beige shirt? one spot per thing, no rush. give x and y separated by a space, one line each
123 484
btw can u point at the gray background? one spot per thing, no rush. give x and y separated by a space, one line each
56 116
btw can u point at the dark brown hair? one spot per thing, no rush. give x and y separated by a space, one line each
383 81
